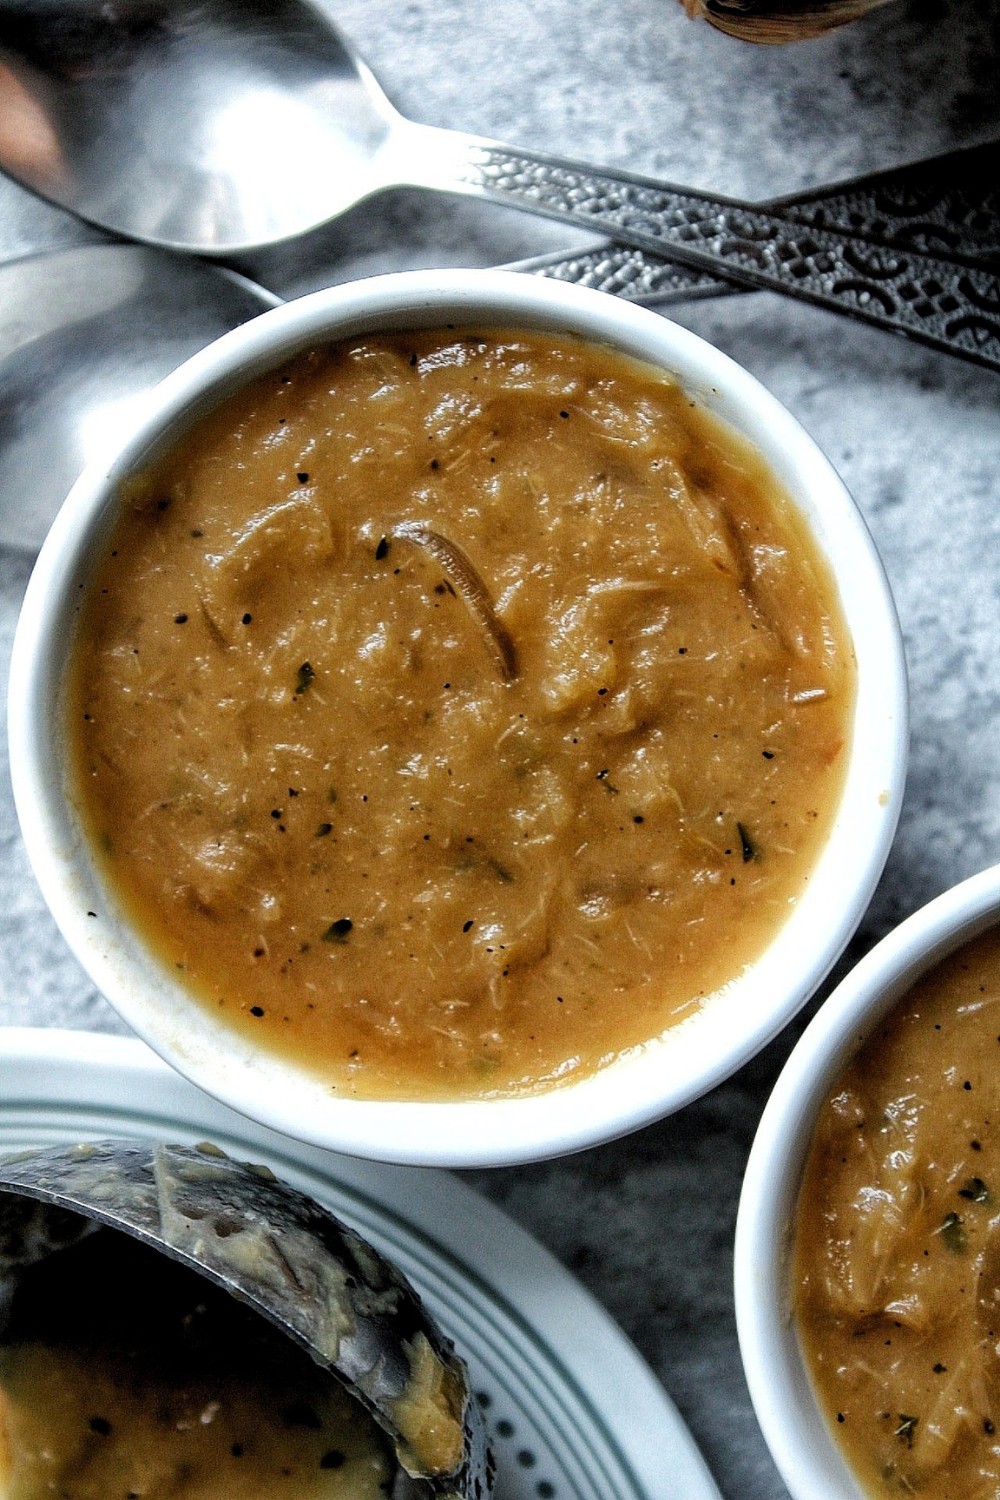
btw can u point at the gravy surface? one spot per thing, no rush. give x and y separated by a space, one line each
897 1254
456 711
125 1376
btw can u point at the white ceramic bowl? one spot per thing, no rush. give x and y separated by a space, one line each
796 1430
636 1089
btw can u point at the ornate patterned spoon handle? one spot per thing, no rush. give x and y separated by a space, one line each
949 205
916 249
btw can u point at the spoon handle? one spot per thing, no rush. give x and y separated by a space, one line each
932 291
947 205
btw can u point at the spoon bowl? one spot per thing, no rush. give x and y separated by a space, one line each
85 334
212 128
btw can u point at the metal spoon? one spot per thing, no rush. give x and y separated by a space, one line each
224 125
85 334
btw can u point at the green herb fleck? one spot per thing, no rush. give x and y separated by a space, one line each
339 931
748 848
975 1190
952 1231
602 777
323 830
304 678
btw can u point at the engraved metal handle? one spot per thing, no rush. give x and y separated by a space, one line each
916 251
948 205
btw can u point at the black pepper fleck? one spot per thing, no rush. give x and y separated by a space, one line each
338 931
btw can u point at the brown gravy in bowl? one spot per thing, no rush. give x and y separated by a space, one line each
457 710
897 1249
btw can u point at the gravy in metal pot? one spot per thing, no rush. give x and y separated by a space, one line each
125 1376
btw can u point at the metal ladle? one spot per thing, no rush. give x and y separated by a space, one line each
220 126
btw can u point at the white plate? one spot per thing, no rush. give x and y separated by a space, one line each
574 1412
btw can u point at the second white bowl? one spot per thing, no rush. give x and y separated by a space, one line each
798 1433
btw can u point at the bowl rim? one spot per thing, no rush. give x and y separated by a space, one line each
797 1432
637 1088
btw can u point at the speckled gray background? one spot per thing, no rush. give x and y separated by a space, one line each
647 1223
